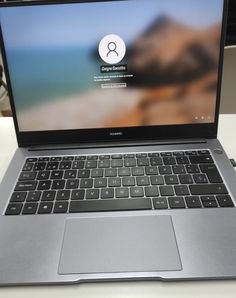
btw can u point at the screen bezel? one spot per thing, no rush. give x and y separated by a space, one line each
75 136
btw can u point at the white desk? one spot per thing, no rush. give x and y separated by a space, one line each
216 289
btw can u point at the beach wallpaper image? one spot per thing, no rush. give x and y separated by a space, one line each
168 74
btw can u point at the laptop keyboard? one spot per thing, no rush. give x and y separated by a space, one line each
117 182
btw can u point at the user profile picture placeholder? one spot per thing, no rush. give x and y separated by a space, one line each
112 49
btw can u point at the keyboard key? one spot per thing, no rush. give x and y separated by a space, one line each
114 182
142 181
83 173
52 165
157 180
68 158
166 191
31 159
107 193
192 153
116 156
142 162
136 192
70 174
110 172
166 154
26 185
171 179
44 185
14 209
104 163
139 171
92 194
205 189
178 169
165 170
45 207
225 201
33 196
27 176
39 166
80 158
151 170
18 196
72 183
43 159
102 157
192 169
65 165
86 183
97 173
169 161
58 184
56 175
28 166
182 160
128 181
92 157
78 164
78 194
176 202
91 164
122 192
181 190
200 178
203 152
151 191
185 179
117 163
30 208
178 153
63 195
48 195
207 198
123 172
100 182
130 162
157 161
141 155
193 202
211 204
201 159
212 173
110 205
56 158
43 175
60 207
160 203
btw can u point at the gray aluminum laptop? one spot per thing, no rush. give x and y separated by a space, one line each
118 174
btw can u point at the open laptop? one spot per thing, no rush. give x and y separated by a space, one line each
118 174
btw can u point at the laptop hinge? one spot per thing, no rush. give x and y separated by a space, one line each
117 144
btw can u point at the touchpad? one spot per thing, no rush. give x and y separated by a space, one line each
119 244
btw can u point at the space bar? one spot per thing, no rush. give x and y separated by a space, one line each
110 205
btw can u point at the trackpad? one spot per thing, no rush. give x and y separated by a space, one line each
119 244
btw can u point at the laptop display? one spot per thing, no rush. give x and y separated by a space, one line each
113 64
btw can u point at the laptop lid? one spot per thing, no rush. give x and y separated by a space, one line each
88 71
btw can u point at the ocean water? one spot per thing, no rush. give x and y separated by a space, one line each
50 74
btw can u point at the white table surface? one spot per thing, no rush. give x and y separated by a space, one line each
130 289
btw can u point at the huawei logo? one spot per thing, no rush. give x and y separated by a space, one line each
117 133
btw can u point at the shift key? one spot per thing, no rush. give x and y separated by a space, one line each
208 189
26 185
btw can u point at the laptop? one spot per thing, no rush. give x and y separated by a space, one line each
119 173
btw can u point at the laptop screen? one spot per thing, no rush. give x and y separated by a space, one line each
113 64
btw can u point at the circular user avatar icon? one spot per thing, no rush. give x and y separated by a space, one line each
112 49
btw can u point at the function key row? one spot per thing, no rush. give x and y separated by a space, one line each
119 156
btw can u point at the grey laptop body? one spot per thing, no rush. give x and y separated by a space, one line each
119 173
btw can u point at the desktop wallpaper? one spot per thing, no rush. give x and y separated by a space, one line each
113 64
